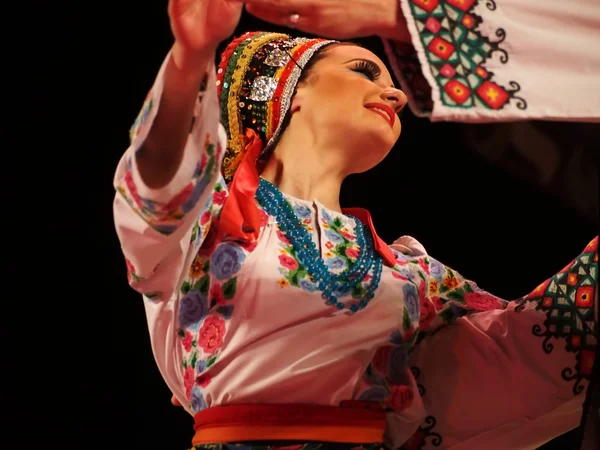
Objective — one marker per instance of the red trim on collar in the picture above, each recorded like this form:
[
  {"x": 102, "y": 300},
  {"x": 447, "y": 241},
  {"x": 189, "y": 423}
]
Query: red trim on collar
[{"x": 382, "y": 248}]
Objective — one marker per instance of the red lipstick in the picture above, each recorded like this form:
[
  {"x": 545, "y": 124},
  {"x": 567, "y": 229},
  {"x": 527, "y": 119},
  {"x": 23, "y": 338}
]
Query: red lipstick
[{"x": 384, "y": 111}]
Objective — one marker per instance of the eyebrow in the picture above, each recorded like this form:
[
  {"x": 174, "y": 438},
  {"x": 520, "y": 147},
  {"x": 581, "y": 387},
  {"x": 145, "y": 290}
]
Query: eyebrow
[{"x": 370, "y": 61}]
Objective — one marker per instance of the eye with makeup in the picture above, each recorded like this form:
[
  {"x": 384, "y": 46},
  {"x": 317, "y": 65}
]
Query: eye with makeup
[{"x": 367, "y": 68}]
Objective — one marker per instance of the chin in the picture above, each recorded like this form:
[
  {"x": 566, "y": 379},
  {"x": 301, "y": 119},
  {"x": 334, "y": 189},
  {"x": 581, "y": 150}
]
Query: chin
[
  {"x": 381, "y": 139},
  {"x": 371, "y": 152}
]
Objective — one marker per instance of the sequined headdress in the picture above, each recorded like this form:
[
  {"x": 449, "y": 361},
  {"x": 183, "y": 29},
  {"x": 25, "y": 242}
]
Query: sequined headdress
[{"x": 256, "y": 80}]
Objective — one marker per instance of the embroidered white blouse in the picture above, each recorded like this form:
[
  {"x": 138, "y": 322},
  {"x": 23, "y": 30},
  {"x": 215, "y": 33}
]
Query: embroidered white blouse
[
  {"x": 454, "y": 366},
  {"x": 500, "y": 60}
]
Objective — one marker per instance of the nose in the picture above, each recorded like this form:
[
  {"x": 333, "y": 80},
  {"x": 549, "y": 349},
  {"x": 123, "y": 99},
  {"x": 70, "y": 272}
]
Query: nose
[{"x": 395, "y": 98}]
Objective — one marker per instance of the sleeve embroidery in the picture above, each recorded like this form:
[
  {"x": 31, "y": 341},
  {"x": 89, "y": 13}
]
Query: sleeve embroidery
[{"x": 457, "y": 51}]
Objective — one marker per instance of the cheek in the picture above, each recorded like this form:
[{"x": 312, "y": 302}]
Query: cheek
[{"x": 342, "y": 92}]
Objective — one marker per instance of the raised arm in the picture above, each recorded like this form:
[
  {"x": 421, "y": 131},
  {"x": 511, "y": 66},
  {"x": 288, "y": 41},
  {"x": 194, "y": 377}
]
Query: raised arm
[{"x": 167, "y": 180}]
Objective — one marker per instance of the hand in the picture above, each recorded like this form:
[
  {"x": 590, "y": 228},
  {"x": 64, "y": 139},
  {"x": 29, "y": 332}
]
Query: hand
[
  {"x": 335, "y": 19},
  {"x": 200, "y": 25}
]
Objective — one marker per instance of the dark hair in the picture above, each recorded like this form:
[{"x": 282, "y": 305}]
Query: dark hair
[{"x": 320, "y": 54}]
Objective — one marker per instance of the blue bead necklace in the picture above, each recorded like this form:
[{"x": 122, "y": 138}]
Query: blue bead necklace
[{"x": 331, "y": 285}]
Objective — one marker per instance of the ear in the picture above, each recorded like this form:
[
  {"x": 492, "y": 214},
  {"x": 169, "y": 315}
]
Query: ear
[{"x": 296, "y": 103}]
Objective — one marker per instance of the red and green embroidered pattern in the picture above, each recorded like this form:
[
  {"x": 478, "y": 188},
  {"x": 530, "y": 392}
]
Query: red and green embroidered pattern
[
  {"x": 568, "y": 301},
  {"x": 457, "y": 52}
]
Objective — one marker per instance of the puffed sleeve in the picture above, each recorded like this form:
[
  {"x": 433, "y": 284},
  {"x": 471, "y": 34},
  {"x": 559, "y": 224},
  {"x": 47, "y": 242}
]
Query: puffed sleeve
[
  {"x": 493, "y": 374},
  {"x": 490, "y": 61},
  {"x": 157, "y": 228}
]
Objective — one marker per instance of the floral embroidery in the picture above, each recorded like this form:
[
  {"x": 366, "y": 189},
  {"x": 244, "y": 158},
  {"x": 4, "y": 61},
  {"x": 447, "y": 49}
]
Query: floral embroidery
[
  {"x": 210, "y": 337},
  {"x": 341, "y": 251},
  {"x": 568, "y": 301},
  {"x": 166, "y": 218},
  {"x": 457, "y": 52},
  {"x": 202, "y": 227},
  {"x": 387, "y": 377},
  {"x": 142, "y": 116},
  {"x": 132, "y": 277},
  {"x": 478, "y": 301},
  {"x": 227, "y": 260},
  {"x": 203, "y": 312},
  {"x": 193, "y": 308},
  {"x": 411, "y": 299}
]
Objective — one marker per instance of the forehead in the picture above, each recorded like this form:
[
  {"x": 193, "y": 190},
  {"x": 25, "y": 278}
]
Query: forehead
[{"x": 341, "y": 54}]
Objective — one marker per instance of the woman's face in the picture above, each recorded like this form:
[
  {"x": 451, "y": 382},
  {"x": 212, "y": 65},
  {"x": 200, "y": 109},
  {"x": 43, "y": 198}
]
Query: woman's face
[{"x": 348, "y": 100}]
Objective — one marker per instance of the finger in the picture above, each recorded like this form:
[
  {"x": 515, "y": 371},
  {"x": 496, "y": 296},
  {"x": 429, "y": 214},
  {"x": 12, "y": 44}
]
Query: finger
[
  {"x": 287, "y": 18},
  {"x": 175, "y": 402}
]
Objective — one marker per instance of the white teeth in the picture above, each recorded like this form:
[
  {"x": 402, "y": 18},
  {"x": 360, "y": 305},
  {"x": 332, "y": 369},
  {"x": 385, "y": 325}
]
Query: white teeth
[{"x": 380, "y": 110}]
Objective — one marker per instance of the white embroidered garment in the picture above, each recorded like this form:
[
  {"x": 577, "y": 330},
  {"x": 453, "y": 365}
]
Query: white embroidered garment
[
  {"x": 232, "y": 323},
  {"x": 500, "y": 60}
]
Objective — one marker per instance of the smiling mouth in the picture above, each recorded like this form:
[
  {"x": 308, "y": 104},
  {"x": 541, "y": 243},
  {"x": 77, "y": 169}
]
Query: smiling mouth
[{"x": 384, "y": 111}]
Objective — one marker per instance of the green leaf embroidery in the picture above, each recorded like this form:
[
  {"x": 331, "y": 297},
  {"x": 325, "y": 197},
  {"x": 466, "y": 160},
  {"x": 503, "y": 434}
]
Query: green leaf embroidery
[
  {"x": 202, "y": 285},
  {"x": 421, "y": 275},
  {"x": 194, "y": 232},
  {"x": 229, "y": 288},
  {"x": 340, "y": 249},
  {"x": 443, "y": 288},
  {"x": 181, "y": 333},
  {"x": 210, "y": 148},
  {"x": 211, "y": 361},
  {"x": 194, "y": 360},
  {"x": 457, "y": 294},
  {"x": 302, "y": 273},
  {"x": 213, "y": 302},
  {"x": 406, "y": 322},
  {"x": 218, "y": 187},
  {"x": 206, "y": 267},
  {"x": 358, "y": 291},
  {"x": 338, "y": 222},
  {"x": 468, "y": 287},
  {"x": 294, "y": 276},
  {"x": 185, "y": 364},
  {"x": 185, "y": 287},
  {"x": 211, "y": 163},
  {"x": 194, "y": 342}
]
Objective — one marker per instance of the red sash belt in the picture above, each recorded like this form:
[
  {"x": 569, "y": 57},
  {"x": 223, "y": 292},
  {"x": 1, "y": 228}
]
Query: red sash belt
[{"x": 288, "y": 422}]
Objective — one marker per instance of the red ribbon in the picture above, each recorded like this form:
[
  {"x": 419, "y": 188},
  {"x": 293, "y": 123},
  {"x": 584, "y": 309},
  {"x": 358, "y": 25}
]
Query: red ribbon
[{"x": 240, "y": 218}]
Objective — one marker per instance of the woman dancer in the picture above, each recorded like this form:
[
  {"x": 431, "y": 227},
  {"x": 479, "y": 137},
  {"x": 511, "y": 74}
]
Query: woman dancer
[{"x": 276, "y": 317}]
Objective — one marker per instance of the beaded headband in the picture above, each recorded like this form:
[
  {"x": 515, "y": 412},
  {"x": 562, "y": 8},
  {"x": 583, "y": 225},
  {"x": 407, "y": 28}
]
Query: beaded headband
[{"x": 256, "y": 80}]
